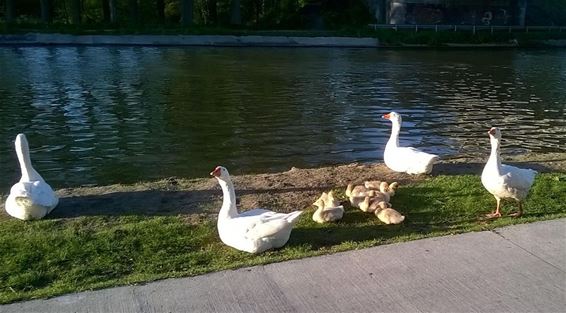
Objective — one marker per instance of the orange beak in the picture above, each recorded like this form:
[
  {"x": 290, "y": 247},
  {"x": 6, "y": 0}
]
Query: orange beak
[
  {"x": 385, "y": 116},
  {"x": 216, "y": 172}
]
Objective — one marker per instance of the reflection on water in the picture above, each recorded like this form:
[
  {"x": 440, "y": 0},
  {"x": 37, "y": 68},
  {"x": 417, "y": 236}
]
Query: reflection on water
[{"x": 100, "y": 115}]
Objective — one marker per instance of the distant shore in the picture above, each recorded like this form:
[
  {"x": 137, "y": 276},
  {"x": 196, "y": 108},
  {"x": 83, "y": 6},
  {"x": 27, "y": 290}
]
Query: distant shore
[
  {"x": 49, "y": 39},
  {"x": 188, "y": 40}
]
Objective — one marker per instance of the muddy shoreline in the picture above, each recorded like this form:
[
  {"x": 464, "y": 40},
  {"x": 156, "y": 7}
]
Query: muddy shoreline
[{"x": 294, "y": 189}]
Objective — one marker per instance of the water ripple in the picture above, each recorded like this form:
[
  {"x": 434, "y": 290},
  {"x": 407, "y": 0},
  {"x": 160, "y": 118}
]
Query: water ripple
[{"x": 99, "y": 115}]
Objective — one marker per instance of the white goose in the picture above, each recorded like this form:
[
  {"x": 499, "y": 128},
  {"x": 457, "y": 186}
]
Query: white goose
[
  {"x": 405, "y": 159},
  {"x": 30, "y": 198},
  {"x": 252, "y": 231},
  {"x": 505, "y": 181}
]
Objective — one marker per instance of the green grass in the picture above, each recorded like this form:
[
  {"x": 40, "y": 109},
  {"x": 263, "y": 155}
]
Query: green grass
[{"x": 55, "y": 256}]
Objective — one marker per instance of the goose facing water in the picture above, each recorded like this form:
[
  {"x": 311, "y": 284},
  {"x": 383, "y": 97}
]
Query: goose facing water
[
  {"x": 505, "y": 181},
  {"x": 252, "y": 231},
  {"x": 405, "y": 159},
  {"x": 30, "y": 198}
]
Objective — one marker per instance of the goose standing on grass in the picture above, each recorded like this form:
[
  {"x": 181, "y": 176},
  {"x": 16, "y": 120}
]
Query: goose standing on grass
[
  {"x": 405, "y": 159},
  {"x": 31, "y": 198},
  {"x": 252, "y": 231},
  {"x": 505, "y": 181}
]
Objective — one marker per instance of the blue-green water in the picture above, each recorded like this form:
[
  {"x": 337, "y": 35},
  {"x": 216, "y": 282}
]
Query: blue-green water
[{"x": 100, "y": 115}]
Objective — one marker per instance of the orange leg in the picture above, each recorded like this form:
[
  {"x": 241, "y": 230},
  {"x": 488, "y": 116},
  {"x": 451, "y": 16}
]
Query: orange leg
[
  {"x": 497, "y": 212},
  {"x": 518, "y": 213}
]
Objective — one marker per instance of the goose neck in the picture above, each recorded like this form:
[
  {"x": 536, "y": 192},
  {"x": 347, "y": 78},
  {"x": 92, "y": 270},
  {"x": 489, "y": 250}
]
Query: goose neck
[
  {"x": 28, "y": 172},
  {"x": 394, "y": 138},
  {"x": 494, "y": 157},
  {"x": 228, "y": 208}
]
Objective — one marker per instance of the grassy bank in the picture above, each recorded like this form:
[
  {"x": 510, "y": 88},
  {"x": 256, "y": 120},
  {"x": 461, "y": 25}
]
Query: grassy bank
[
  {"x": 442, "y": 38},
  {"x": 81, "y": 252}
]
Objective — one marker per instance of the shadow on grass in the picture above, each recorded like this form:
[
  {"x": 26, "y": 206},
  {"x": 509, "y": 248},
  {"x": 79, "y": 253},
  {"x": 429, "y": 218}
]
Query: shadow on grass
[
  {"x": 336, "y": 234},
  {"x": 160, "y": 202},
  {"x": 457, "y": 169}
]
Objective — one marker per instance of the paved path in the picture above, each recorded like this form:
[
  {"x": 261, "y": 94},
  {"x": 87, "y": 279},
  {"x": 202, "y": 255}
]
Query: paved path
[{"x": 514, "y": 269}]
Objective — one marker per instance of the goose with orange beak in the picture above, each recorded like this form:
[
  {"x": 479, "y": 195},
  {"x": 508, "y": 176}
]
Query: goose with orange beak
[
  {"x": 405, "y": 159},
  {"x": 505, "y": 181},
  {"x": 253, "y": 231}
]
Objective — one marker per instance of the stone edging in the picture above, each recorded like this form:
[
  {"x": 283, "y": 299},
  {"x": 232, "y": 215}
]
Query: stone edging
[
  {"x": 39, "y": 39},
  {"x": 188, "y": 40}
]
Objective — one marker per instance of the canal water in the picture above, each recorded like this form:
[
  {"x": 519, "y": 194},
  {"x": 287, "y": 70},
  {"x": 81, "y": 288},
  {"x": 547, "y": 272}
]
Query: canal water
[{"x": 101, "y": 115}]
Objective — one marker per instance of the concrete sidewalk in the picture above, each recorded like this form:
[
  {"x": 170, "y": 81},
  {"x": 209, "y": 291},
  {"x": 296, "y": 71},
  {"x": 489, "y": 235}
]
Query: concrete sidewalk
[{"x": 514, "y": 269}]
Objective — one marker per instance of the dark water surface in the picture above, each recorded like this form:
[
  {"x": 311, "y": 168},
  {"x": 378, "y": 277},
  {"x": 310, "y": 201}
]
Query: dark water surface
[{"x": 101, "y": 115}]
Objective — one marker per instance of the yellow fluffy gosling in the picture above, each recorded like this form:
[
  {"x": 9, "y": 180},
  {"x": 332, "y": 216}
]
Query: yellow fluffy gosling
[
  {"x": 371, "y": 198},
  {"x": 382, "y": 186},
  {"x": 386, "y": 214},
  {"x": 356, "y": 194},
  {"x": 356, "y": 191},
  {"x": 329, "y": 209},
  {"x": 372, "y": 184}
]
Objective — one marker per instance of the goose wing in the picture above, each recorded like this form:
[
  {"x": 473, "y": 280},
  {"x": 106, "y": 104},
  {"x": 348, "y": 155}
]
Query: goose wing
[
  {"x": 517, "y": 178},
  {"x": 415, "y": 161},
  {"x": 416, "y": 154},
  {"x": 270, "y": 223}
]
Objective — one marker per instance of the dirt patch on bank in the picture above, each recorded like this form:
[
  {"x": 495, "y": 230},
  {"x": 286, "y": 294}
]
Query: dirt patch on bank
[{"x": 295, "y": 189}]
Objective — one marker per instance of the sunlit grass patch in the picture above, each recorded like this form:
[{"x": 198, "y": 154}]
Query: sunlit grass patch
[{"x": 60, "y": 255}]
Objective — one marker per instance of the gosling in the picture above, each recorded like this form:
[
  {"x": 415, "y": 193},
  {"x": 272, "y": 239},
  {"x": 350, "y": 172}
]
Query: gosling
[
  {"x": 329, "y": 209},
  {"x": 386, "y": 214}
]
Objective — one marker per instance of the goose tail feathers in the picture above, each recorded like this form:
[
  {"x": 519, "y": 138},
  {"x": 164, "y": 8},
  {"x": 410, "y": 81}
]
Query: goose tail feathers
[{"x": 293, "y": 217}]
